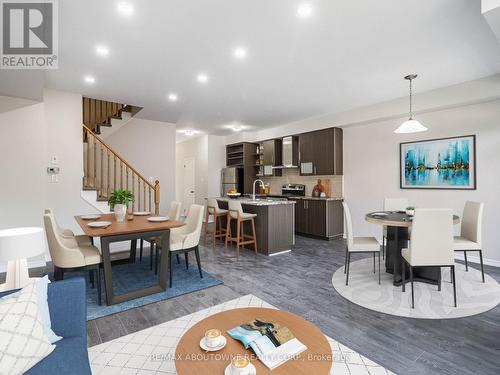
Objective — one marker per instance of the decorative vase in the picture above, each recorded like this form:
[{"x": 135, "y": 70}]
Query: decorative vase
[
  {"x": 120, "y": 211},
  {"x": 410, "y": 212}
]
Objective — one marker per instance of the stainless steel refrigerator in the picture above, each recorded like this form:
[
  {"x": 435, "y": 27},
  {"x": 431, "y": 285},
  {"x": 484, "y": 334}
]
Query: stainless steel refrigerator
[{"x": 231, "y": 177}]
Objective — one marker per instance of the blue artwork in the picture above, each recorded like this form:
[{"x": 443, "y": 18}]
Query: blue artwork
[{"x": 447, "y": 163}]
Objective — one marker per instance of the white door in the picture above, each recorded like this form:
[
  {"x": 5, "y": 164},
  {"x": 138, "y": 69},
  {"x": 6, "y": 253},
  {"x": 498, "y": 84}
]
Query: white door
[{"x": 189, "y": 185}]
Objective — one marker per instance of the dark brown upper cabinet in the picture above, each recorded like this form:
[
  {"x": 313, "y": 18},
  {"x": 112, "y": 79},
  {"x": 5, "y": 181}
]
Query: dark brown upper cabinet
[
  {"x": 271, "y": 157},
  {"x": 321, "y": 152}
]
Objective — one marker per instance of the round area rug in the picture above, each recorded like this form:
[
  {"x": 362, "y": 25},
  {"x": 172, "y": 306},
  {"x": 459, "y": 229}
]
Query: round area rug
[{"x": 473, "y": 297}]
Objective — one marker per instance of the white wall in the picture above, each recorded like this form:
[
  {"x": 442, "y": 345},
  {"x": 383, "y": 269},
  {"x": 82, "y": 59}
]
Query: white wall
[
  {"x": 371, "y": 150},
  {"x": 471, "y": 92},
  {"x": 63, "y": 124},
  {"x": 22, "y": 162},
  {"x": 371, "y": 165},
  {"x": 149, "y": 146},
  {"x": 30, "y": 136}
]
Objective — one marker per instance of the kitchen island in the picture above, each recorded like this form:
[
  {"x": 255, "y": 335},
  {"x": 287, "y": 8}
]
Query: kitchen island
[{"x": 274, "y": 224}]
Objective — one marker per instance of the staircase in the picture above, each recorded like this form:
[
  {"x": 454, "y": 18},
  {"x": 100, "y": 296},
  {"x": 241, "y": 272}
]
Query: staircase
[{"x": 106, "y": 170}]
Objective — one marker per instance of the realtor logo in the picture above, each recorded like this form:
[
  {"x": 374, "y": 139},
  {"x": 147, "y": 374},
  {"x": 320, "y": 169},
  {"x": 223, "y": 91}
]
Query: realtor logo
[{"x": 29, "y": 37}]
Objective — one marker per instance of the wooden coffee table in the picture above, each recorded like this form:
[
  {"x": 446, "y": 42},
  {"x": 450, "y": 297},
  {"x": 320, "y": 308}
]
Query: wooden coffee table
[{"x": 191, "y": 359}]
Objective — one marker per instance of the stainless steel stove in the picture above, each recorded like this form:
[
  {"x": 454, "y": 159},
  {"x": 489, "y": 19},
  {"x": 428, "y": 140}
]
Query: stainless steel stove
[{"x": 293, "y": 190}]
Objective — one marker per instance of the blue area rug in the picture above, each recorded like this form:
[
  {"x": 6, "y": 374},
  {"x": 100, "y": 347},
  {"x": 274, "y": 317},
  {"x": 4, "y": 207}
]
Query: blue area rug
[{"x": 129, "y": 277}]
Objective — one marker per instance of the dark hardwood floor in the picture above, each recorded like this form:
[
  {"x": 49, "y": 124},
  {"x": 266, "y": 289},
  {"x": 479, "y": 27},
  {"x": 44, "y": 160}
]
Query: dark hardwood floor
[{"x": 300, "y": 282}]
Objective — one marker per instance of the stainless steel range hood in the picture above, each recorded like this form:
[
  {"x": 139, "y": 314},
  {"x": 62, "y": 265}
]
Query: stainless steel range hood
[{"x": 290, "y": 153}]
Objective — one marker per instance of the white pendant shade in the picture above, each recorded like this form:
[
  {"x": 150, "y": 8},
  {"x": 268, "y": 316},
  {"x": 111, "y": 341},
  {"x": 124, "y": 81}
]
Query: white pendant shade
[{"x": 410, "y": 126}]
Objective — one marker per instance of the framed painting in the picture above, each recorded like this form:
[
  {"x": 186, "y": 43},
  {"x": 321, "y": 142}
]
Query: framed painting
[{"x": 445, "y": 163}]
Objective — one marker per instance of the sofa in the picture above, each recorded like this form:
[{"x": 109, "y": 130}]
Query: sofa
[{"x": 68, "y": 315}]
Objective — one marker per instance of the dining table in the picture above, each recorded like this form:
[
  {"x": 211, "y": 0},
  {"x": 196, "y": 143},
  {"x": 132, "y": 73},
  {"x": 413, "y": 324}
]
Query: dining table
[
  {"x": 398, "y": 225},
  {"x": 130, "y": 230}
]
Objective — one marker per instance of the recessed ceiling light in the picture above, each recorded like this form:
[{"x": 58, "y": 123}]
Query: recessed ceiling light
[
  {"x": 240, "y": 53},
  {"x": 202, "y": 78},
  {"x": 102, "y": 51},
  {"x": 172, "y": 97},
  {"x": 125, "y": 9},
  {"x": 188, "y": 132},
  {"x": 235, "y": 127},
  {"x": 304, "y": 10},
  {"x": 89, "y": 79}
]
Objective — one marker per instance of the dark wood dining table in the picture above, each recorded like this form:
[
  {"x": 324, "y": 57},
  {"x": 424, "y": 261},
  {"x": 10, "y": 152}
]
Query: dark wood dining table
[
  {"x": 130, "y": 230},
  {"x": 398, "y": 224}
]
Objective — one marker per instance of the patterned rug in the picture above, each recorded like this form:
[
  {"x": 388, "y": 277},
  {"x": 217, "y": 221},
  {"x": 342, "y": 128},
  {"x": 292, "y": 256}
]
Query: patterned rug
[
  {"x": 473, "y": 297},
  {"x": 150, "y": 351},
  {"x": 129, "y": 277}
]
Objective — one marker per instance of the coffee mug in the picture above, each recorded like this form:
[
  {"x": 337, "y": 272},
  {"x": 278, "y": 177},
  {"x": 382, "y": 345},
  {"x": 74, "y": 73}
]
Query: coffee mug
[
  {"x": 213, "y": 338},
  {"x": 240, "y": 365}
]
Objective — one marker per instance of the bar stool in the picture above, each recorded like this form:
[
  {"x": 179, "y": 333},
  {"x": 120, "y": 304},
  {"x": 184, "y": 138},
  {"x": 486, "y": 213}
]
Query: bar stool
[
  {"x": 218, "y": 230},
  {"x": 236, "y": 212}
]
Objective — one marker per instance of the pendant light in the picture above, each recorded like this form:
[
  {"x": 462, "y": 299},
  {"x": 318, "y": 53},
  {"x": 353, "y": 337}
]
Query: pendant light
[{"x": 411, "y": 125}]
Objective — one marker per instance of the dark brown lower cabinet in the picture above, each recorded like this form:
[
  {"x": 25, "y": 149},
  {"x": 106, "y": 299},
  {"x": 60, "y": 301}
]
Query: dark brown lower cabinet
[{"x": 319, "y": 218}]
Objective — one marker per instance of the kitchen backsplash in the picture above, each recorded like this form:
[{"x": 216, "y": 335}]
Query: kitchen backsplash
[{"x": 293, "y": 176}]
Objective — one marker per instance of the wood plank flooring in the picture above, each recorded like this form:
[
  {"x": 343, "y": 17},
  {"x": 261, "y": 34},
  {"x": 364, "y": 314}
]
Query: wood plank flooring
[{"x": 300, "y": 282}]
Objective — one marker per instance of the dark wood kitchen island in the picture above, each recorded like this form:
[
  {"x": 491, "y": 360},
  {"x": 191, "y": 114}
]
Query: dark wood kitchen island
[{"x": 274, "y": 224}]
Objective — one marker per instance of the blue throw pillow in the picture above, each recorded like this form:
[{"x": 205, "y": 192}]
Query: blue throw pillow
[{"x": 43, "y": 309}]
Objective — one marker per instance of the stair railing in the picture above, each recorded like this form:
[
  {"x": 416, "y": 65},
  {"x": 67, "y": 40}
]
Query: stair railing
[{"x": 105, "y": 170}]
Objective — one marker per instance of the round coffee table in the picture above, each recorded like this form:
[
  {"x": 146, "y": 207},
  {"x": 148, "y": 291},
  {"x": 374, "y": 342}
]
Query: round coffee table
[{"x": 191, "y": 359}]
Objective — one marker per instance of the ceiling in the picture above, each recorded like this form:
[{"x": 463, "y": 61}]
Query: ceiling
[{"x": 346, "y": 54}]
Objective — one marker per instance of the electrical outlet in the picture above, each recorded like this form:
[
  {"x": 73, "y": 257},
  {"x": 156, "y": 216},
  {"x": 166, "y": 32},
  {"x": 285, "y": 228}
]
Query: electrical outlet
[{"x": 54, "y": 159}]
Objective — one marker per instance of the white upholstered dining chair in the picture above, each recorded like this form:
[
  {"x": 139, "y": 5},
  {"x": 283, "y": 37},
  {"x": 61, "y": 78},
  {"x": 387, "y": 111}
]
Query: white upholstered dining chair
[
  {"x": 174, "y": 213},
  {"x": 431, "y": 245},
  {"x": 81, "y": 239},
  {"x": 358, "y": 245},
  {"x": 69, "y": 254},
  {"x": 392, "y": 204},
  {"x": 186, "y": 239},
  {"x": 470, "y": 238}
]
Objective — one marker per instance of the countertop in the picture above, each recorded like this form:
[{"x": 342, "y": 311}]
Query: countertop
[
  {"x": 311, "y": 198},
  {"x": 258, "y": 201}
]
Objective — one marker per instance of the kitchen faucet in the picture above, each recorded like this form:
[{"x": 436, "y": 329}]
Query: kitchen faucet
[{"x": 253, "y": 191}]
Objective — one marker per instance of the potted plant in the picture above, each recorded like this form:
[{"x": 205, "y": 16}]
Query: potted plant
[
  {"x": 410, "y": 211},
  {"x": 118, "y": 202}
]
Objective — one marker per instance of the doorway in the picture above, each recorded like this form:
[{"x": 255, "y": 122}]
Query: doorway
[{"x": 189, "y": 195}]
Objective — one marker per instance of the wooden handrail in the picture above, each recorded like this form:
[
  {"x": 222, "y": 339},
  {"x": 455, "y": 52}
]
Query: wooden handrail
[
  {"x": 103, "y": 186},
  {"x": 117, "y": 155}
]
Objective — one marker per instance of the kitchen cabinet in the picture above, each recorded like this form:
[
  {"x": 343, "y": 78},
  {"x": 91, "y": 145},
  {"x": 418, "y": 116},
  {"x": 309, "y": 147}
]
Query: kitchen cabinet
[
  {"x": 321, "y": 152},
  {"x": 271, "y": 156},
  {"x": 322, "y": 218},
  {"x": 243, "y": 155}
]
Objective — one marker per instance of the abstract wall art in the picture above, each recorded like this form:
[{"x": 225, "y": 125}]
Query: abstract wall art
[{"x": 445, "y": 163}]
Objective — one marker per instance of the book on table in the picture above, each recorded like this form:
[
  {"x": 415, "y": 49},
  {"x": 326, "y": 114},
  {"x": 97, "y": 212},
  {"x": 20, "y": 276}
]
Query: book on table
[{"x": 271, "y": 343}]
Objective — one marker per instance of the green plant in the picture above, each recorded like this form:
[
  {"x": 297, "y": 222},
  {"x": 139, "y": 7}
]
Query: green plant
[
  {"x": 410, "y": 208},
  {"x": 120, "y": 196}
]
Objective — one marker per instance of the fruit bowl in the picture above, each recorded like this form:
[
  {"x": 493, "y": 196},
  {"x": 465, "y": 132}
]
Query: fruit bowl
[{"x": 233, "y": 195}]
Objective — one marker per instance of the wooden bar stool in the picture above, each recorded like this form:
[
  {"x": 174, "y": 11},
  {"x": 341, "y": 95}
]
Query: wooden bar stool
[
  {"x": 218, "y": 230},
  {"x": 236, "y": 212}
]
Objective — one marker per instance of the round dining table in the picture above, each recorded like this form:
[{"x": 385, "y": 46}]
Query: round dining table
[{"x": 398, "y": 224}]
